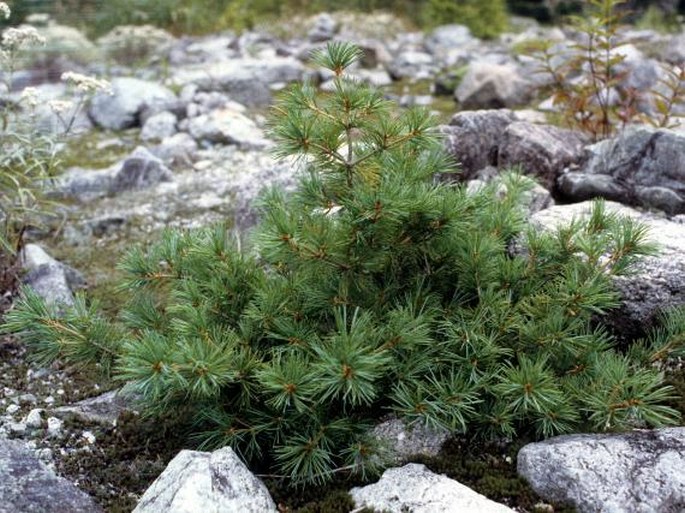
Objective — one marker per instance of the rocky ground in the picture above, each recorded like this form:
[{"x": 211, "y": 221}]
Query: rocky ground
[{"x": 182, "y": 143}]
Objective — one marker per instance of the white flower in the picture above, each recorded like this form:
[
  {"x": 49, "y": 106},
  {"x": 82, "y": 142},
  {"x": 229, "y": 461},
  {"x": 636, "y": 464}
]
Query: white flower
[
  {"x": 86, "y": 84},
  {"x": 25, "y": 35},
  {"x": 60, "y": 106},
  {"x": 30, "y": 96},
  {"x": 5, "y": 10}
]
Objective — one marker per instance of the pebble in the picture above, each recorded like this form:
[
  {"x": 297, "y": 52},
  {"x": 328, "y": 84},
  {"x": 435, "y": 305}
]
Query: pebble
[
  {"x": 54, "y": 427},
  {"x": 12, "y": 409},
  {"x": 34, "y": 419},
  {"x": 49, "y": 400},
  {"x": 27, "y": 399},
  {"x": 89, "y": 437},
  {"x": 17, "y": 428}
]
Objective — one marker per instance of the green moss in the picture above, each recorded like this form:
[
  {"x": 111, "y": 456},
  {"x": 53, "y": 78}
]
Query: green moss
[{"x": 96, "y": 149}]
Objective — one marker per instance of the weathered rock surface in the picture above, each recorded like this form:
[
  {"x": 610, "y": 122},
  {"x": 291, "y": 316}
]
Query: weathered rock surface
[
  {"x": 50, "y": 279},
  {"x": 404, "y": 441},
  {"x": 28, "y": 486},
  {"x": 542, "y": 151},
  {"x": 658, "y": 282},
  {"x": 637, "y": 472},
  {"x": 643, "y": 167},
  {"x": 227, "y": 126},
  {"x": 140, "y": 170},
  {"x": 201, "y": 482},
  {"x": 415, "y": 488},
  {"x": 129, "y": 97},
  {"x": 159, "y": 126},
  {"x": 103, "y": 409},
  {"x": 245, "y": 80},
  {"x": 492, "y": 86},
  {"x": 473, "y": 138}
]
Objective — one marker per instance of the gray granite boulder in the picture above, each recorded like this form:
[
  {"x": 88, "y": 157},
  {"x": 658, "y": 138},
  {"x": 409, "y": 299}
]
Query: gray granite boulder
[
  {"x": 636, "y": 472},
  {"x": 492, "y": 86},
  {"x": 130, "y": 96},
  {"x": 542, "y": 151},
  {"x": 158, "y": 126},
  {"x": 28, "y": 486},
  {"x": 140, "y": 170},
  {"x": 642, "y": 166},
  {"x": 202, "y": 482},
  {"x": 415, "y": 488},
  {"x": 102, "y": 409},
  {"x": 227, "y": 126},
  {"x": 50, "y": 279},
  {"x": 472, "y": 138},
  {"x": 403, "y": 441}
]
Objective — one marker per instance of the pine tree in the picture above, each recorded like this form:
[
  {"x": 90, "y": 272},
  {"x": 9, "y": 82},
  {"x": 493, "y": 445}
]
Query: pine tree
[{"x": 372, "y": 288}]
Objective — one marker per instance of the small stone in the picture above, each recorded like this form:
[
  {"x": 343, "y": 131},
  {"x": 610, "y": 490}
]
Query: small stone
[
  {"x": 49, "y": 400},
  {"x": 27, "y": 399},
  {"x": 88, "y": 437},
  {"x": 60, "y": 391},
  {"x": 12, "y": 409},
  {"x": 34, "y": 419},
  {"x": 54, "y": 427},
  {"x": 17, "y": 428},
  {"x": 44, "y": 454}
]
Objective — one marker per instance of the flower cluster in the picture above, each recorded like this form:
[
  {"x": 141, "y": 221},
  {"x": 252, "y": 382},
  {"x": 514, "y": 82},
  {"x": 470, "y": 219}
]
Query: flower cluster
[
  {"x": 19, "y": 37},
  {"x": 31, "y": 97},
  {"x": 5, "y": 10},
  {"x": 86, "y": 84}
]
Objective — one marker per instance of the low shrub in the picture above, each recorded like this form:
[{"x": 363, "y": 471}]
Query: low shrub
[{"x": 371, "y": 289}]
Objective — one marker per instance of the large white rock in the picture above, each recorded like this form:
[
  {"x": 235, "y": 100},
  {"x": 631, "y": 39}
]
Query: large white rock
[
  {"x": 129, "y": 97},
  {"x": 415, "y": 488},
  {"x": 492, "y": 86},
  {"x": 203, "y": 482},
  {"x": 638, "y": 472},
  {"x": 227, "y": 126}
]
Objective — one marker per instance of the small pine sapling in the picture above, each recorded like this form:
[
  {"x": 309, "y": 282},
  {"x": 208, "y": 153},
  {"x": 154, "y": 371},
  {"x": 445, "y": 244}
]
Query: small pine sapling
[{"x": 373, "y": 288}]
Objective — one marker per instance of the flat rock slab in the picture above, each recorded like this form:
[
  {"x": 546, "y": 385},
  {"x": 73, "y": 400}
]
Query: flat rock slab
[
  {"x": 637, "y": 472},
  {"x": 28, "y": 486},
  {"x": 103, "y": 409},
  {"x": 415, "y": 488}
]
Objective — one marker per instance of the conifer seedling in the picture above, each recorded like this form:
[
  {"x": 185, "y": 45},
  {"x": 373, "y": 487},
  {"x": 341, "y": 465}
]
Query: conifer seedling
[{"x": 372, "y": 289}]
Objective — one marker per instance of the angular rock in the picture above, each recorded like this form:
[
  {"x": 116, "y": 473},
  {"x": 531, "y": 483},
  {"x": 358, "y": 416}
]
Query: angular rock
[
  {"x": 245, "y": 80},
  {"x": 492, "y": 86},
  {"x": 227, "y": 126},
  {"x": 325, "y": 27},
  {"x": 129, "y": 97},
  {"x": 103, "y": 409},
  {"x": 635, "y": 472},
  {"x": 448, "y": 37},
  {"x": 415, "y": 488},
  {"x": 637, "y": 159},
  {"x": 28, "y": 486},
  {"x": 472, "y": 138},
  {"x": 159, "y": 126},
  {"x": 412, "y": 64},
  {"x": 658, "y": 281},
  {"x": 139, "y": 170},
  {"x": 201, "y": 482},
  {"x": 405, "y": 441},
  {"x": 50, "y": 279},
  {"x": 178, "y": 150},
  {"x": 542, "y": 151}
]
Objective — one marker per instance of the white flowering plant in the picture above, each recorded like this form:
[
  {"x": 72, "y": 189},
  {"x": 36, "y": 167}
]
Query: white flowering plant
[{"x": 28, "y": 155}]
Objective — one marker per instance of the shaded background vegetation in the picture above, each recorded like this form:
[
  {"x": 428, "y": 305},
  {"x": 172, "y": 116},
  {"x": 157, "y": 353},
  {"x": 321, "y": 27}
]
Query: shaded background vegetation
[{"x": 486, "y": 19}]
